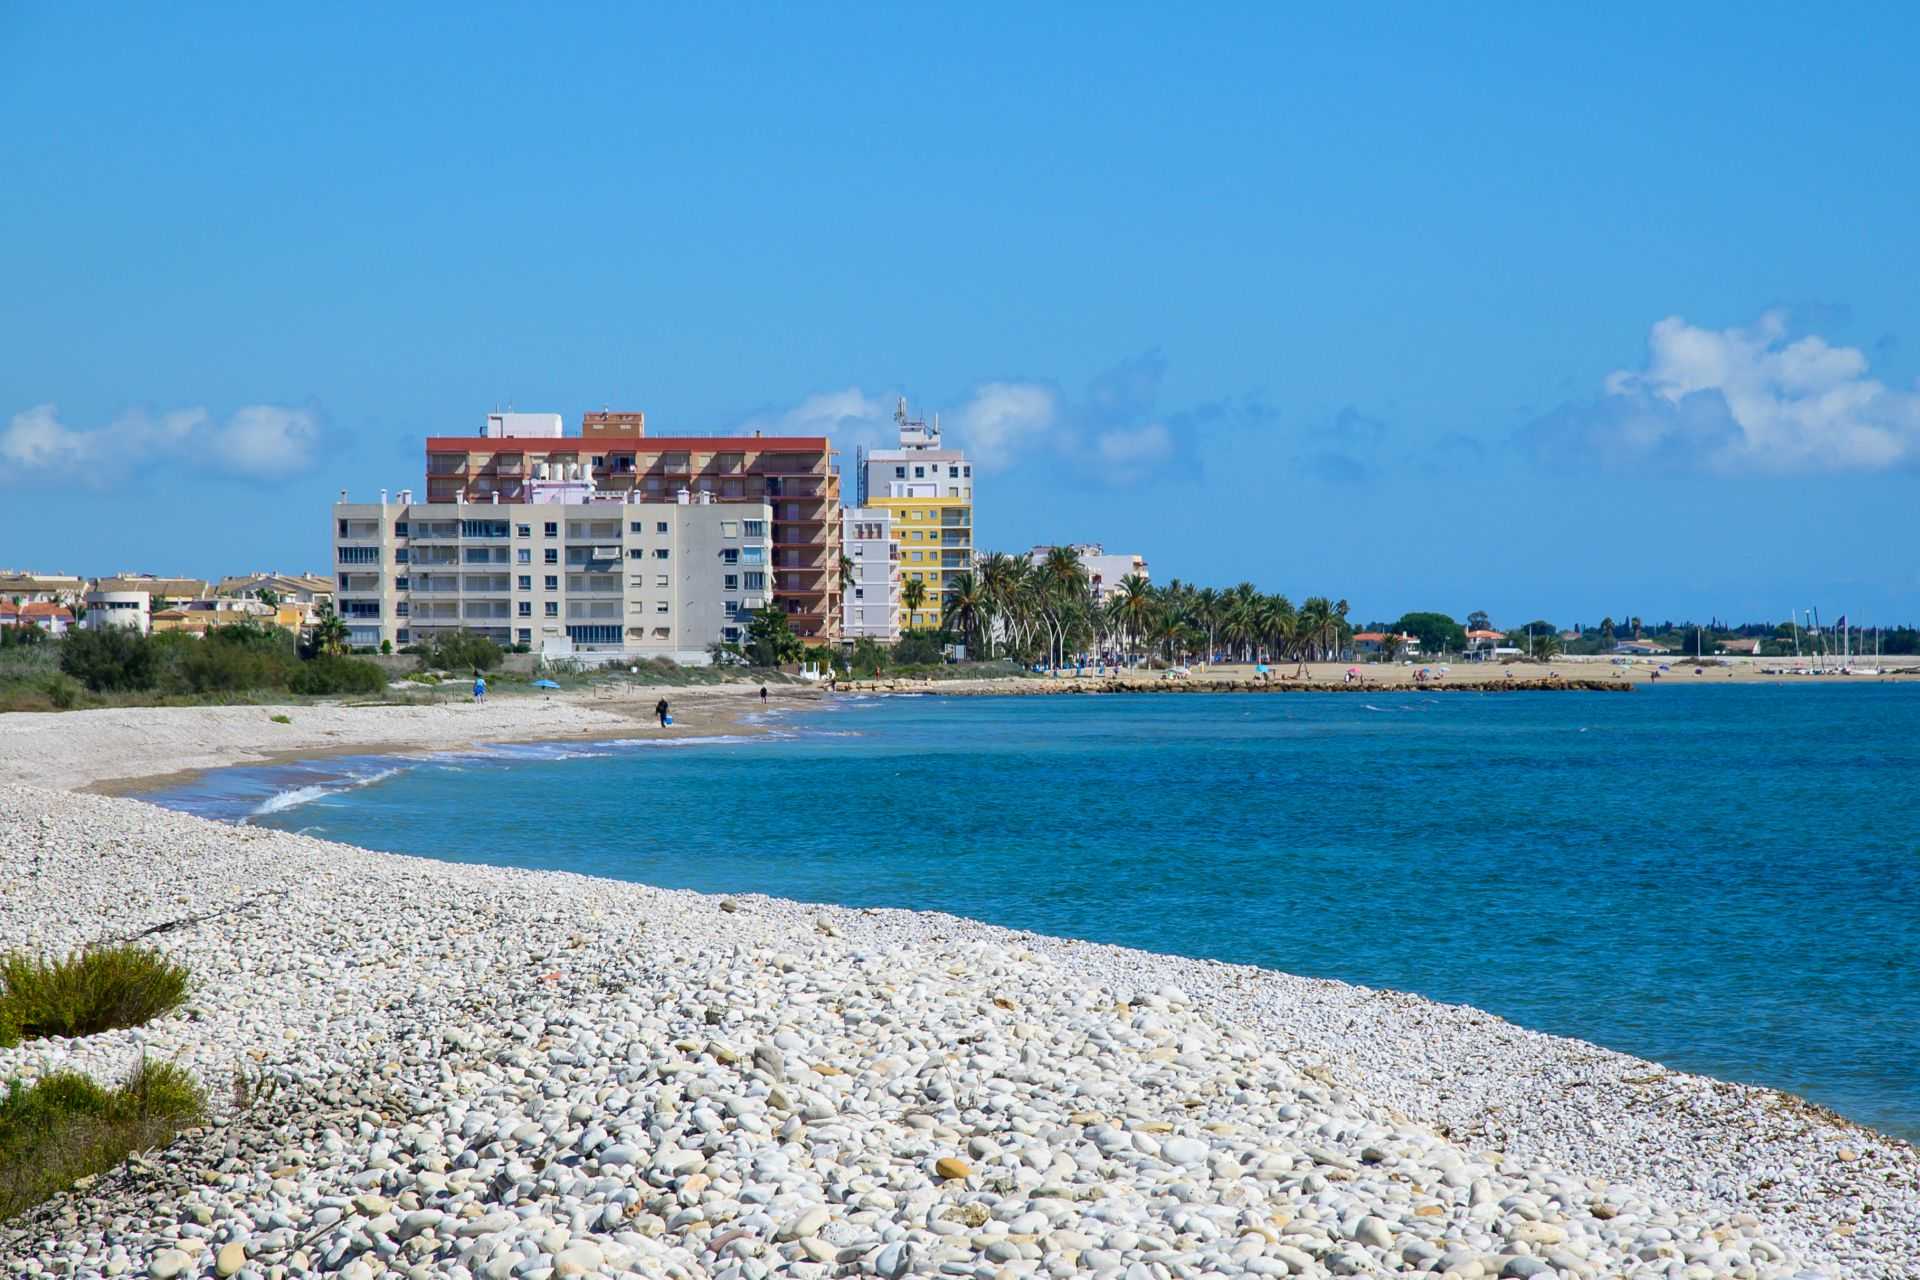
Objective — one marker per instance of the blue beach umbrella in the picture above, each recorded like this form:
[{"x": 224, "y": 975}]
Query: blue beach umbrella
[{"x": 545, "y": 684}]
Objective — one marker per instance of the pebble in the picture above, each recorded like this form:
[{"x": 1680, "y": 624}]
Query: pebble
[{"x": 510, "y": 1075}]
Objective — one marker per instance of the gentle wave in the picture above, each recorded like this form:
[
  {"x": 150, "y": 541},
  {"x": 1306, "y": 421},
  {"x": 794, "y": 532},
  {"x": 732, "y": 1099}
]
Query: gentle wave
[{"x": 294, "y": 797}]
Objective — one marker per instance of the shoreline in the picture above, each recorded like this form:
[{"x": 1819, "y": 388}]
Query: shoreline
[
  {"x": 1473, "y": 1082},
  {"x": 114, "y": 750},
  {"x": 441, "y": 958}
]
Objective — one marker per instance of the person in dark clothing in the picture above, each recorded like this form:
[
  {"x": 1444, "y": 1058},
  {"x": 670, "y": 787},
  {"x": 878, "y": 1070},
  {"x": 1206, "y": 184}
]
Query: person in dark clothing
[
  {"x": 763, "y": 693},
  {"x": 660, "y": 712}
]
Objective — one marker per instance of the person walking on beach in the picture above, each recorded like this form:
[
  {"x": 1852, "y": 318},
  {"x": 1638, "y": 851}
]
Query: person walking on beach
[
  {"x": 660, "y": 712},
  {"x": 479, "y": 687},
  {"x": 763, "y": 695}
]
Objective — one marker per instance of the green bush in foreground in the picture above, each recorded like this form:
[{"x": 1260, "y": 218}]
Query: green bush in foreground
[
  {"x": 65, "y": 1127},
  {"x": 86, "y": 993}
]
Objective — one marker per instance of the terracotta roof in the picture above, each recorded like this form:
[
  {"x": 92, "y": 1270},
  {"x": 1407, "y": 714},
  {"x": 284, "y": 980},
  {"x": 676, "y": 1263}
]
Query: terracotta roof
[
  {"x": 619, "y": 444},
  {"x": 1486, "y": 635},
  {"x": 46, "y": 610}
]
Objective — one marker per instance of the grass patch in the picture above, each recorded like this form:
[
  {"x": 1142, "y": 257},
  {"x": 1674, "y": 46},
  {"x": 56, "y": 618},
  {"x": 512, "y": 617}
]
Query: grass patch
[
  {"x": 86, "y": 993},
  {"x": 65, "y": 1127},
  {"x": 281, "y": 719}
]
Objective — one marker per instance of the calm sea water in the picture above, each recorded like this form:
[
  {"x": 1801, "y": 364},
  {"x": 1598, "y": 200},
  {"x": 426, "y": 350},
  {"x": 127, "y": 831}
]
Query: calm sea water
[{"x": 1726, "y": 880}]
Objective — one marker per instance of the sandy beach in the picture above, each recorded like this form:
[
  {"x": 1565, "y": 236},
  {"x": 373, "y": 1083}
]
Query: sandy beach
[
  {"x": 473, "y": 1071},
  {"x": 120, "y": 748}
]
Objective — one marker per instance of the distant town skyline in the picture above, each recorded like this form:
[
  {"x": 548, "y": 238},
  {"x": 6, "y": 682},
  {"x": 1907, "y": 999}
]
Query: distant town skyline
[{"x": 1506, "y": 310}]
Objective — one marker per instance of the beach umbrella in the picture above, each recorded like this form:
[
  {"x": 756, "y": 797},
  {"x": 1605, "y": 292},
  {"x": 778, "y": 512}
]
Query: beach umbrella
[
  {"x": 1353, "y": 671},
  {"x": 545, "y": 684}
]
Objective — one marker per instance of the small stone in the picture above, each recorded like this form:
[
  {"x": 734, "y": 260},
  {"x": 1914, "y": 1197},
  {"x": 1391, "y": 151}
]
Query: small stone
[
  {"x": 169, "y": 1263},
  {"x": 892, "y": 1261},
  {"x": 1373, "y": 1233},
  {"x": 371, "y": 1205},
  {"x": 1183, "y": 1151},
  {"x": 232, "y": 1257},
  {"x": 952, "y": 1167},
  {"x": 1847, "y": 1154}
]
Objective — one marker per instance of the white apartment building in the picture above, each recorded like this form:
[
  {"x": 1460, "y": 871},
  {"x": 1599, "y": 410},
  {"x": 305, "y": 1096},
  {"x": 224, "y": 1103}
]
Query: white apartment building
[
  {"x": 1105, "y": 572},
  {"x": 871, "y": 598},
  {"x": 131, "y": 610},
  {"x": 569, "y": 574}
]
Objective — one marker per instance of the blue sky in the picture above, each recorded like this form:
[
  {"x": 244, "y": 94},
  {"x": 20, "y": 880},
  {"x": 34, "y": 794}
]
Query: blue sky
[{"x": 1536, "y": 310}]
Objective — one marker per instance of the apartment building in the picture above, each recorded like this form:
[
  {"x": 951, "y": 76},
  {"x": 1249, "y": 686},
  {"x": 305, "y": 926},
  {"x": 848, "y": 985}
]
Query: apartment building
[
  {"x": 927, "y": 493},
  {"x": 1105, "y": 572},
  {"x": 570, "y": 573},
  {"x": 23, "y": 586},
  {"x": 872, "y": 589},
  {"x": 614, "y": 459}
]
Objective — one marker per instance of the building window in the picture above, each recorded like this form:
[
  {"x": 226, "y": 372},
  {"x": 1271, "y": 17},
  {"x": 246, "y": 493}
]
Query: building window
[
  {"x": 899, "y": 473},
  {"x": 661, "y": 527},
  {"x": 755, "y": 581},
  {"x": 729, "y": 528},
  {"x": 399, "y": 528},
  {"x": 730, "y": 555},
  {"x": 756, "y": 528},
  {"x": 594, "y": 634},
  {"x": 526, "y": 582},
  {"x": 550, "y": 556},
  {"x": 919, "y": 473},
  {"x": 523, "y": 555},
  {"x": 402, "y": 609},
  {"x": 859, "y": 593},
  {"x": 525, "y": 608},
  {"x": 399, "y": 555},
  {"x": 637, "y": 526},
  {"x": 661, "y": 607},
  {"x": 660, "y": 553},
  {"x": 553, "y": 529},
  {"x": 553, "y": 582},
  {"x": 553, "y": 609},
  {"x": 523, "y": 531},
  {"x": 730, "y": 634},
  {"x": 359, "y": 555},
  {"x": 636, "y": 553},
  {"x": 525, "y": 635},
  {"x": 730, "y": 582},
  {"x": 660, "y": 580}
]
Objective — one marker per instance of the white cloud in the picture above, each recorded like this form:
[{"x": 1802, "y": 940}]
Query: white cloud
[
  {"x": 1749, "y": 399},
  {"x": 265, "y": 439},
  {"x": 1137, "y": 447},
  {"x": 1000, "y": 420},
  {"x": 850, "y": 416},
  {"x": 255, "y": 440}
]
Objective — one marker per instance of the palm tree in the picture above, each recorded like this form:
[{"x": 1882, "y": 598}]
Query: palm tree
[
  {"x": 329, "y": 633},
  {"x": 1133, "y": 609},
  {"x": 966, "y": 605},
  {"x": 913, "y": 595},
  {"x": 1391, "y": 646},
  {"x": 1546, "y": 646},
  {"x": 1207, "y": 608}
]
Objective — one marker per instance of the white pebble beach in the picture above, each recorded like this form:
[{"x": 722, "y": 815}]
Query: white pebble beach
[{"x": 424, "y": 1068}]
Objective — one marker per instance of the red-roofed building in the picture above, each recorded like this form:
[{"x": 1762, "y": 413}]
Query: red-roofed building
[
  {"x": 1368, "y": 644},
  {"x": 54, "y": 619},
  {"x": 614, "y": 456}
]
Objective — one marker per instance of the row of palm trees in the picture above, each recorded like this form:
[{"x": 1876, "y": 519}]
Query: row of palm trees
[{"x": 1047, "y": 609}]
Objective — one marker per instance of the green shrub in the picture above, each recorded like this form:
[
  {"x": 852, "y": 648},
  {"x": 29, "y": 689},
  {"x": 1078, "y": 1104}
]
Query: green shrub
[
  {"x": 331, "y": 673},
  {"x": 86, "y": 993},
  {"x": 63, "y": 691},
  {"x": 113, "y": 658},
  {"x": 64, "y": 1127},
  {"x": 460, "y": 651},
  {"x": 917, "y": 648},
  {"x": 281, "y": 719}
]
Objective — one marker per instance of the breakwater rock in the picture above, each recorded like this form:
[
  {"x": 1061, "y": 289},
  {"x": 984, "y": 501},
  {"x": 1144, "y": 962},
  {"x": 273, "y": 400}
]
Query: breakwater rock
[{"x": 1045, "y": 685}]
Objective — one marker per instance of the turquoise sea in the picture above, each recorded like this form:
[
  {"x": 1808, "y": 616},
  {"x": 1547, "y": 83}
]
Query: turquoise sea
[{"x": 1724, "y": 879}]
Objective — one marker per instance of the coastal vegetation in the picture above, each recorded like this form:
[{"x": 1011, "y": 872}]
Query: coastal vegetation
[
  {"x": 117, "y": 667},
  {"x": 1048, "y": 610},
  {"x": 86, "y": 993},
  {"x": 64, "y": 1127}
]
